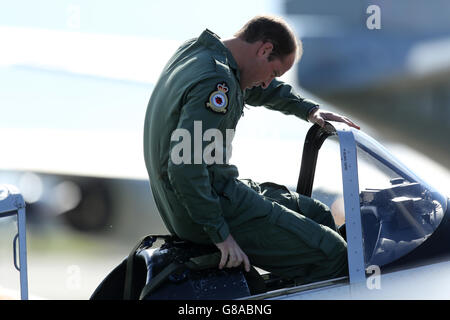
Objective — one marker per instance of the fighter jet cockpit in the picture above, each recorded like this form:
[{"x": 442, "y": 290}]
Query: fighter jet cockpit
[
  {"x": 399, "y": 211},
  {"x": 389, "y": 217},
  {"x": 404, "y": 219}
]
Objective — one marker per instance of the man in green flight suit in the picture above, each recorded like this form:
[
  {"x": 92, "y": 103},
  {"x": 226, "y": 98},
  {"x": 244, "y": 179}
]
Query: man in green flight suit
[{"x": 198, "y": 101}]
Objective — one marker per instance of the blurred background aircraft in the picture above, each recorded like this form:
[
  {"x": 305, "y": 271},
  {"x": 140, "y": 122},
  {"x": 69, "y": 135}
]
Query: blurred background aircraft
[
  {"x": 76, "y": 77},
  {"x": 388, "y": 64}
]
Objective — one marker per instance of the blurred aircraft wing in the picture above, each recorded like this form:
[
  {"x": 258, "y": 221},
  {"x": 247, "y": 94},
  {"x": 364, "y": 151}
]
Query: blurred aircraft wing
[
  {"x": 430, "y": 58},
  {"x": 111, "y": 154}
]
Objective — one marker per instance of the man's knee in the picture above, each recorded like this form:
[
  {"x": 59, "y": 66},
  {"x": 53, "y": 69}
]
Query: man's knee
[
  {"x": 331, "y": 268},
  {"x": 332, "y": 244},
  {"x": 338, "y": 264},
  {"x": 316, "y": 210},
  {"x": 311, "y": 208}
]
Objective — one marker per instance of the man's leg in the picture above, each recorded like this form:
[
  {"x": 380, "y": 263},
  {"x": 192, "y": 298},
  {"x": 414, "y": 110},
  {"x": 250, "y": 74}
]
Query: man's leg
[
  {"x": 273, "y": 246},
  {"x": 307, "y": 206},
  {"x": 280, "y": 242}
]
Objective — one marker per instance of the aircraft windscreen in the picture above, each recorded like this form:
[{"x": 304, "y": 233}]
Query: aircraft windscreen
[{"x": 399, "y": 211}]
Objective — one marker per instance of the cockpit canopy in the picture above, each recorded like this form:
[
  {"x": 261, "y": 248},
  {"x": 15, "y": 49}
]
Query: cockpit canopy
[{"x": 398, "y": 210}]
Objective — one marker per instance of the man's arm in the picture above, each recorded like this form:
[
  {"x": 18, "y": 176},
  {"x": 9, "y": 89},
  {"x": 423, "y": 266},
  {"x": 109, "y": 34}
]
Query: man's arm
[
  {"x": 282, "y": 97},
  {"x": 190, "y": 179}
]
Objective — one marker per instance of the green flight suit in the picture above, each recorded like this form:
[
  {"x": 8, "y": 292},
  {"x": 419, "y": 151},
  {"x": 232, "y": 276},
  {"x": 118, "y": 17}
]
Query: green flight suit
[{"x": 280, "y": 231}]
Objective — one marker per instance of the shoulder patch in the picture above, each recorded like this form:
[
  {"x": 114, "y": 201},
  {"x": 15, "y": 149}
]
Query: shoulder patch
[{"x": 218, "y": 100}]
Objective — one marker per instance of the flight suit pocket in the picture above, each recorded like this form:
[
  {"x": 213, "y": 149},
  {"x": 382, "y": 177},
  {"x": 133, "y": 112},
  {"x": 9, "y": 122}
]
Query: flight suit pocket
[
  {"x": 227, "y": 195},
  {"x": 280, "y": 194},
  {"x": 240, "y": 203},
  {"x": 228, "y": 190}
]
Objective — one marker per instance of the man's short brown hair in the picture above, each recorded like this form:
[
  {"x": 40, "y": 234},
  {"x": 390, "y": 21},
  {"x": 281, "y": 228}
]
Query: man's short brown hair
[{"x": 274, "y": 30}]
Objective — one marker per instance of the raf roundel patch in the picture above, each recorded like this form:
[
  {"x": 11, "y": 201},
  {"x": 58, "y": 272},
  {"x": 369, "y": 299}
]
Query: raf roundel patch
[{"x": 218, "y": 100}]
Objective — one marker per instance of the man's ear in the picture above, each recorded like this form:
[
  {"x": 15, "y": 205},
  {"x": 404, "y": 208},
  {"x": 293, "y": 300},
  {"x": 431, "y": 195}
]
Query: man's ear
[{"x": 265, "y": 49}]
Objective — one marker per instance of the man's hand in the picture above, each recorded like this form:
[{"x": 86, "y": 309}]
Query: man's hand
[
  {"x": 320, "y": 116},
  {"x": 232, "y": 252}
]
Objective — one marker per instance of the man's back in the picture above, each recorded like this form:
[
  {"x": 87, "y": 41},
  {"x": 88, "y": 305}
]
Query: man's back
[{"x": 192, "y": 74}]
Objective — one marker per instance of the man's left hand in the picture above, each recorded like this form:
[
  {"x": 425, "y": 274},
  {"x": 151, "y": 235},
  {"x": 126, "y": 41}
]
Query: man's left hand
[{"x": 320, "y": 116}]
